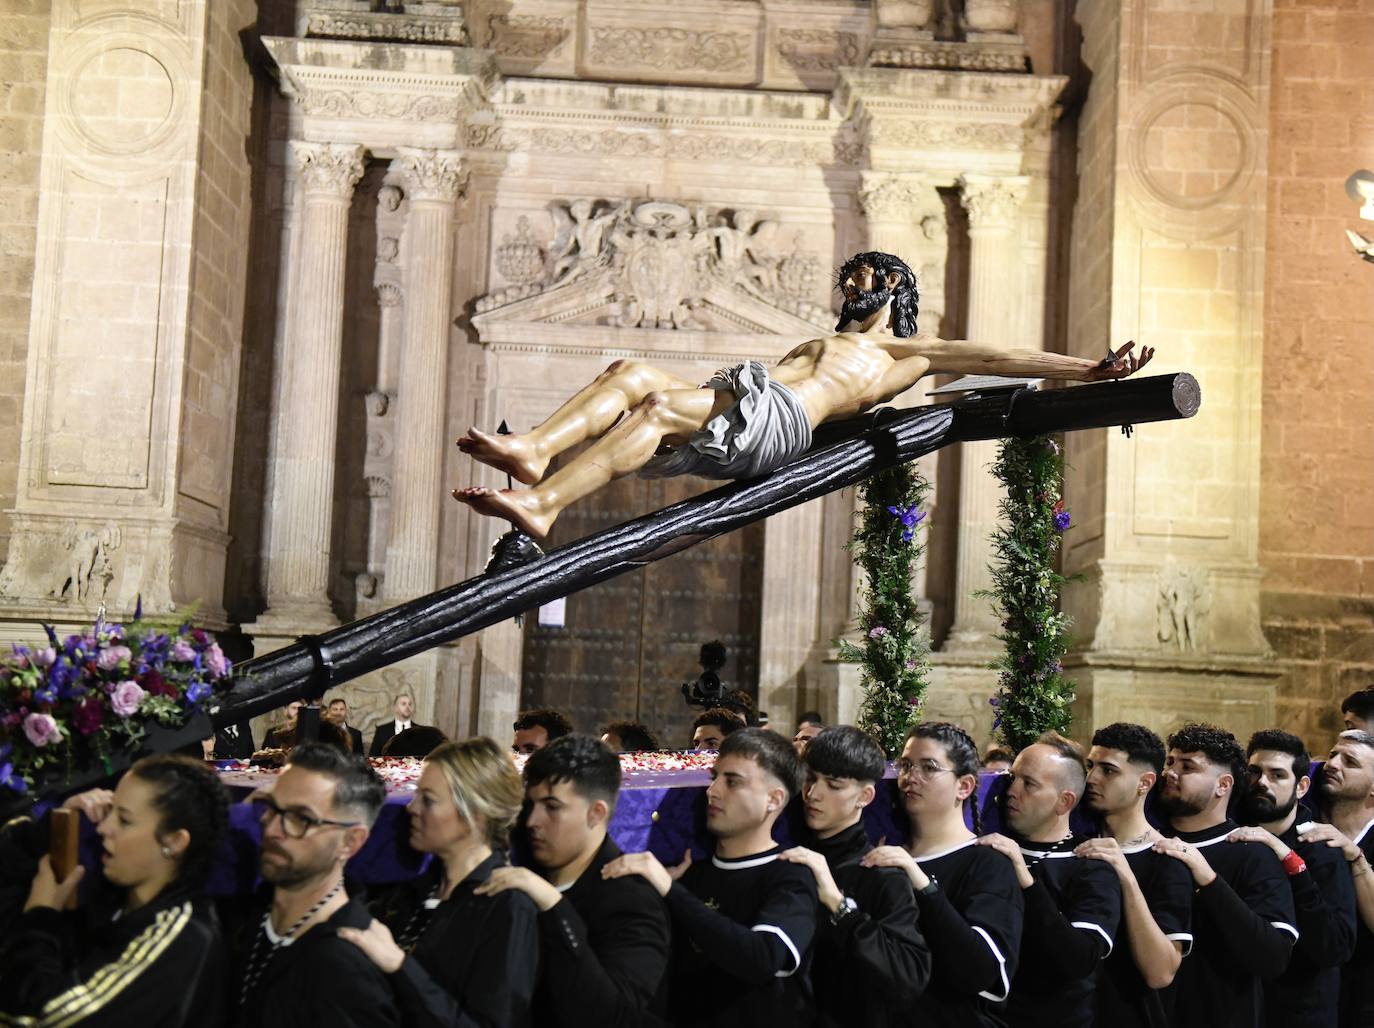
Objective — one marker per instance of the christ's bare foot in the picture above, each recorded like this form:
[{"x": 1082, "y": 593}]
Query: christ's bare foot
[
  {"x": 506, "y": 503},
  {"x": 508, "y": 453}
]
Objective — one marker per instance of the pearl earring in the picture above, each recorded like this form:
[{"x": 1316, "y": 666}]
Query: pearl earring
[{"x": 167, "y": 851}]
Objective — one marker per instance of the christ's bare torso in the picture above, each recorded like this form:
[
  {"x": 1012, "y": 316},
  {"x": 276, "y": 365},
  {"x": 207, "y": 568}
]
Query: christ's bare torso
[{"x": 849, "y": 372}]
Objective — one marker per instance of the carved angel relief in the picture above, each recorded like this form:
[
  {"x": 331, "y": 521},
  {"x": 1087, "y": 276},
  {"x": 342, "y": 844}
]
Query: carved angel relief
[{"x": 658, "y": 260}]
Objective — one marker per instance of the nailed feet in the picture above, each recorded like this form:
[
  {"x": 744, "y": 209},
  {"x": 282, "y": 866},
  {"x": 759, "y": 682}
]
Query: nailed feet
[
  {"x": 508, "y": 453},
  {"x": 507, "y": 504}
]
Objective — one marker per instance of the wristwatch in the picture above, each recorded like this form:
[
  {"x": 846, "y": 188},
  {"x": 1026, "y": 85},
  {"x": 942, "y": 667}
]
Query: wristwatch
[
  {"x": 932, "y": 887},
  {"x": 847, "y": 906}
]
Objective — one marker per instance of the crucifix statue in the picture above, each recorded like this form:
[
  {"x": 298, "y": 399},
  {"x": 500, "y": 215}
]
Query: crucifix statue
[{"x": 747, "y": 420}]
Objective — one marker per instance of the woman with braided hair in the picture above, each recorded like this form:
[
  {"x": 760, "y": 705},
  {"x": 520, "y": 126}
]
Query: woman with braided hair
[
  {"x": 969, "y": 902},
  {"x": 147, "y": 948}
]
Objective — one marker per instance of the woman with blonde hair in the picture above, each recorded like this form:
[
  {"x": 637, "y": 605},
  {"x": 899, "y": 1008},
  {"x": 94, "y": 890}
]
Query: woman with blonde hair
[{"x": 456, "y": 958}]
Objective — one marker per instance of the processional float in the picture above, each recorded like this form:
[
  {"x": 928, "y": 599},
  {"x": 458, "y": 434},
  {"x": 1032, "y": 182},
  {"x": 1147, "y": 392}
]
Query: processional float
[{"x": 842, "y": 453}]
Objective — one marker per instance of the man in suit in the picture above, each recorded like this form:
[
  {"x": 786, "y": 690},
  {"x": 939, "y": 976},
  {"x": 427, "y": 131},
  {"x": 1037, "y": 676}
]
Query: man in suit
[
  {"x": 337, "y": 712},
  {"x": 235, "y": 741},
  {"x": 401, "y": 707}
]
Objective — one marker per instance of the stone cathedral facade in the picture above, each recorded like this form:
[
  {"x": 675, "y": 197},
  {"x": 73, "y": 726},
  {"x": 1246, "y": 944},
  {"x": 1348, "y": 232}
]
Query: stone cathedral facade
[{"x": 270, "y": 259}]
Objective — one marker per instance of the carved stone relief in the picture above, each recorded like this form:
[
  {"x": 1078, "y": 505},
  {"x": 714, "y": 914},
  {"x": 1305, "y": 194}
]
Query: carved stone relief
[
  {"x": 527, "y": 37},
  {"x": 1184, "y": 600},
  {"x": 674, "y": 49},
  {"x": 806, "y": 50}
]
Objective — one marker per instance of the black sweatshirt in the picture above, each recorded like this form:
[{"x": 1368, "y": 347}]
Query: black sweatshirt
[
  {"x": 161, "y": 966},
  {"x": 871, "y": 967},
  {"x": 743, "y": 929},
  {"x": 1243, "y": 931},
  {"x": 477, "y": 957},
  {"x": 1357, "y": 995},
  {"x": 1123, "y": 999},
  {"x": 972, "y": 923},
  {"x": 1307, "y": 994},
  {"x": 604, "y": 950},
  {"x": 1073, "y": 907},
  {"x": 317, "y": 978}
]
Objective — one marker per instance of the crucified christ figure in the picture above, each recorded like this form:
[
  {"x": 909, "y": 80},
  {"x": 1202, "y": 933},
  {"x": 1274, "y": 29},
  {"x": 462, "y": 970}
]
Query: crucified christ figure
[{"x": 747, "y": 420}]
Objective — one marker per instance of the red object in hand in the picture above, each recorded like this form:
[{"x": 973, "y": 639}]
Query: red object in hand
[{"x": 1293, "y": 864}]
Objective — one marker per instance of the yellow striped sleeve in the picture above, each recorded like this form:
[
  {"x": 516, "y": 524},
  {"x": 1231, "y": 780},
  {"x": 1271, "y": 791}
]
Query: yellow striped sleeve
[{"x": 89, "y": 997}]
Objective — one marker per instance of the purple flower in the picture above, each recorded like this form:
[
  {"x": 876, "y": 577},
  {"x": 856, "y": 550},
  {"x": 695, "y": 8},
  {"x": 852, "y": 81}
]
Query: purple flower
[
  {"x": 909, "y": 516},
  {"x": 1062, "y": 521},
  {"x": 993, "y": 701},
  {"x": 197, "y": 692},
  {"x": 42, "y": 729},
  {"x": 215, "y": 660},
  {"x": 877, "y": 632},
  {"x": 182, "y": 650},
  {"x": 8, "y": 779},
  {"x": 111, "y": 658},
  {"x": 126, "y": 697},
  {"x": 45, "y": 656},
  {"x": 46, "y": 694}
]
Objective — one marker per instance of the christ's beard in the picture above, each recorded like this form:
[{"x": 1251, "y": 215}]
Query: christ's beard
[
  {"x": 863, "y": 306},
  {"x": 1258, "y": 809}
]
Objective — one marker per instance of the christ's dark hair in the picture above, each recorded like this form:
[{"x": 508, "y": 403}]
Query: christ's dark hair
[
  {"x": 1360, "y": 703},
  {"x": 844, "y": 751},
  {"x": 962, "y": 755},
  {"x": 1217, "y": 744},
  {"x": 587, "y": 763},
  {"x": 551, "y": 721},
  {"x": 634, "y": 736},
  {"x": 1140, "y": 745},
  {"x": 188, "y": 795},
  {"x": 1283, "y": 742},
  {"x": 905, "y": 296},
  {"x": 769, "y": 751}
]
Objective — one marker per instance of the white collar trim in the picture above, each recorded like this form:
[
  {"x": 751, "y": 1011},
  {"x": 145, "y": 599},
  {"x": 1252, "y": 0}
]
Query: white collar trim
[
  {"x": 726, "y": 864},
  {"x": 943, "y": 853}
]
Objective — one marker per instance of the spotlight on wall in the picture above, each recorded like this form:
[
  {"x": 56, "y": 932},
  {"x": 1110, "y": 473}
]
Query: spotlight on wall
[{"x": 1360, "y": 188}]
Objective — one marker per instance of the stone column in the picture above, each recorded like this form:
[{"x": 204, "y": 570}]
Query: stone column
[
  {"x": 303, "y": 474},
  {"x": 432, "y": 181},
  {"x": 992, "y": 203}
]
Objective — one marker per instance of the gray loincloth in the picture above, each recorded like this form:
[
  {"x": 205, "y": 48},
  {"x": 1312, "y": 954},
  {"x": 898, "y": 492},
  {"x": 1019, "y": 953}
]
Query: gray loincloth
[{"x": 765, "y": 428}]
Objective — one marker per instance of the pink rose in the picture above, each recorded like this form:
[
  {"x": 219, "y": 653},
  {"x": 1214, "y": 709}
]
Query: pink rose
[
  {"x": 42, "y": 729},
  {"x": 45, "y": 656},
  {"x": 125, "y": 698},
  {"x": 216, "y": 661},
  {"x": 112, "y": 657},
  {"x": 182, "y": 650}
]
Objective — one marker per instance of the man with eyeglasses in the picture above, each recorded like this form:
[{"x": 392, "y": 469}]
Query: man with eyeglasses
[{"x": 291, "y": 968}]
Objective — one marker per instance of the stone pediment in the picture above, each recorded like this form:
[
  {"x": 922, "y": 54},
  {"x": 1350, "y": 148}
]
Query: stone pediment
[{"x": 655, "y": 265}]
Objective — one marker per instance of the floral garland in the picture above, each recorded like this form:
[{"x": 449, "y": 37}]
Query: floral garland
[
  {"x": 92, "y": 695},
  {"x": 894, "y": 652},
  {"x": 1033, "y": 696}
]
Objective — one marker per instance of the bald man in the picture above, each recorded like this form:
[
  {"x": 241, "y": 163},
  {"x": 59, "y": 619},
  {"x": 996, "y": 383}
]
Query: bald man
[{"x": 1073, "y": 905}]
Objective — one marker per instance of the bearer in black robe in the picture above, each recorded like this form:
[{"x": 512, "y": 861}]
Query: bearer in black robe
[
  {"x": 1073, "y": 905},
  {"x": 870, "y": 961},
  {"x": 604, "y": 942},
  {"x": 1124, "y": 764},
  {"x": 454, "y": 957},
  {"x": 293, "y": 967},
  {"x": 744, "y": 920},
  {"x": 1307, "y": 994},
  {"x": 1243, "y": 920},
  {"x": 970, "y": 904}
]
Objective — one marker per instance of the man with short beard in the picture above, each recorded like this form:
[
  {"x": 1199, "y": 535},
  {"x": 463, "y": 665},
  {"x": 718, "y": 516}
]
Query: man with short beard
[
  {"x": 292, "y": 968},
  {"x": 747, "y": 420},
  {"x": 1243, "y": 909},
  {"x": 1124, "y": 764},
  {"x": 1307, "y": 994},
  {"x": 604, "y": 940},
  {"x": 1073, "y": 906},
  {"x": 1347, "y": 795},
  {"x": 871, "y": 962},
  {"x": 744, "y": 920}
]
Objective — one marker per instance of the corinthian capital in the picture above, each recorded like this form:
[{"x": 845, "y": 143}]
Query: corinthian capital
[
  {"x": 992, "y": 200},
  {"x": 329, "y": 168},
  {"x": 890, "y": 197},
  {"x": 431, "y": 174}
]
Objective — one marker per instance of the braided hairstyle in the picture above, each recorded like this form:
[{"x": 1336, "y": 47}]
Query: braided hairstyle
[
  {"x": 961, "y": 753},
  {"x": 189, "y": 795}
]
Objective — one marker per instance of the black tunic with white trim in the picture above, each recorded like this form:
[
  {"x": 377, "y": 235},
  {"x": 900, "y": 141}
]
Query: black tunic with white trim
[
  {"x": 1243, "y": 931},
  {"x": 742, "y": 938},
  {"x": 1123, "y": 998},
  {"x": 972, "y": 923},
  {"x": 1357, "y": 996},
  {"x": 1307, "y": 995},
  {"x": 1072, "y": 911}
]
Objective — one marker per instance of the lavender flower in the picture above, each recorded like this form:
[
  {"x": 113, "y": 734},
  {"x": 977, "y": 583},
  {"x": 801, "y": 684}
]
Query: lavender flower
[
  {"x": 42, "y": 729},
  {"x": 909, "y": 516},
  {"x": 1062, "y": 521},
  {"x": 197, "y": 692},
  {"x": 126, "y": 697},
  {"x": 877, "y": 632}
]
